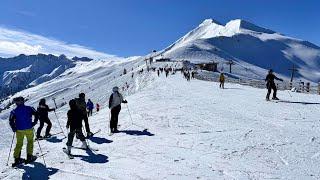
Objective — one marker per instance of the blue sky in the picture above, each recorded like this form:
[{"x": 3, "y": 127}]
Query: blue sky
[{"x": 136, "y": 27}]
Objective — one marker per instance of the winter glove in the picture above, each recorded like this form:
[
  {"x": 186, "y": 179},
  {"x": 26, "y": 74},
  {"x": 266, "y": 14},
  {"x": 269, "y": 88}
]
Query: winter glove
[
  {"x": 125, "y": 101},
  {"x": 14, "y": 129},
  {"x": 67, "y": 126},
  {"x": 34, "y": 123}
]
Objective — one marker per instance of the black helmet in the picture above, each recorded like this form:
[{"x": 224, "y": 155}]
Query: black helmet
[
  {"x": 72, "y": 103},
  {"x": 270, "y": 71},
  {"x": 82, "y": 95},
  {"x": 18, "y": 100},
  {"x": 42, "y": 101}
]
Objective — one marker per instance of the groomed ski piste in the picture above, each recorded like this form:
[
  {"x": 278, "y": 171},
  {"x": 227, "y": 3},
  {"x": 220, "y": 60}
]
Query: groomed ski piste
[{"x": 177, "y": 129}]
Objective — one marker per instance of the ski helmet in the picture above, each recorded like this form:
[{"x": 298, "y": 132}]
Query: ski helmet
[{"x": 115, "y": 89}]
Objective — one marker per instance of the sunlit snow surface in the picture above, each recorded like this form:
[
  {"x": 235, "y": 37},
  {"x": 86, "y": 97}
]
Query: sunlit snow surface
[{"x": 179, "y": 130}]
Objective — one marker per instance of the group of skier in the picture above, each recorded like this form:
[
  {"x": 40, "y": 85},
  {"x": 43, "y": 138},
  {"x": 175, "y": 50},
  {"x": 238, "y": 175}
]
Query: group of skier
[{"x": 22, "y": 123}]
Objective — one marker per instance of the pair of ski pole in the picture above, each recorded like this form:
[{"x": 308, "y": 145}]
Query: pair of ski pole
[{"x": 44, "y": 161}]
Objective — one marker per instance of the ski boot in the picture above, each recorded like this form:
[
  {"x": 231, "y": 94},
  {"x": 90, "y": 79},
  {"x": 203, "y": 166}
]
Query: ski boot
[
  {"x": 30, "y": 158},
  {"x": 84, "y": 145},
  {"x": 275, "y": 98},
  {"x": 18, "y": 161},
  {"x": 48, "y": 135},
  {"x": 89, "y": 134},
  {"x": 39, "y": 138}
]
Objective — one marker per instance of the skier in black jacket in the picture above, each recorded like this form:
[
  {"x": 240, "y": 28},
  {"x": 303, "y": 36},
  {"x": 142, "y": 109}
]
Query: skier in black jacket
[
  {"x": 271, "y": 85},
  {"x": 75, "y": 124},
  {"x": 43, "y": 110}
]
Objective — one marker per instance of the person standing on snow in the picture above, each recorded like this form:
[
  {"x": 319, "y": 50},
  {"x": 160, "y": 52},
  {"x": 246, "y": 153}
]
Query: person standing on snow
[
  {"x": 90, "y": 107},
  {"x": 43, "y": 110},
  {"x": 82, "y": 106},
  {"x": 221, "y": 80},
  {"x": 74, "y": 122},
  {"x": 115, "y": 101},
  {"x": 97, "y": 107},
  {"x": 271, "y": 85},
  {"x": 21, "y": 123}
]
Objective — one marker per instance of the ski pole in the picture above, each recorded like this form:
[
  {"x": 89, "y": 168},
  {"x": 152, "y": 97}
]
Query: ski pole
[
  {"x": 59, "y": 124},
  {"x": 10, "y": 148},
  {"x": 109, "y": 123},
  {"x": 132, "y": 119},
  {"x": 55, "y": 104},
  {"x": 41, "y": 152},
  {"x": 289, "y": 93}
]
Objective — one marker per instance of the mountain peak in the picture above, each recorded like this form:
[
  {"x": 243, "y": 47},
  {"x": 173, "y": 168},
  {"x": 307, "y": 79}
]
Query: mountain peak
[
  {"x": 243, "y": 24},
  {"x": 210, "y": 21}
]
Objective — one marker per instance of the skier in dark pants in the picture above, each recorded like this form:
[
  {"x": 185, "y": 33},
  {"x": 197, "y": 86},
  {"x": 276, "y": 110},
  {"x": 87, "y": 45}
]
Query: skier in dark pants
[
  {"x": 21, "y": 123},
  {"x": 82, "y": 106},
  {"x": 115, "y": 101},
  {"x": 90, "y": 107},
  {"x": 75, "y": 117},
  {"x": 43, "y": 110},
  {"x": 271, "y": 85}
]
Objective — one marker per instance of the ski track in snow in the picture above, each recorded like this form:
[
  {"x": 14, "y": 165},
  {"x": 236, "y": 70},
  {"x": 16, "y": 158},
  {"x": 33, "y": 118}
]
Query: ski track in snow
[{"x": 190, "y": 130}]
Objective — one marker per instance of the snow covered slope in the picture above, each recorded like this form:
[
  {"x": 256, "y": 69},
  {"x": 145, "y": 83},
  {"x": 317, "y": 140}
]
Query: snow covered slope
[
  {"x": 178, "y": 130},
  {"x": 254, "y": 50}
]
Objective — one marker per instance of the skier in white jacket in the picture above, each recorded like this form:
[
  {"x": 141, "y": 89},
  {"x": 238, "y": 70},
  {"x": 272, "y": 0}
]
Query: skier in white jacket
[{"x": 115, "y": 101}]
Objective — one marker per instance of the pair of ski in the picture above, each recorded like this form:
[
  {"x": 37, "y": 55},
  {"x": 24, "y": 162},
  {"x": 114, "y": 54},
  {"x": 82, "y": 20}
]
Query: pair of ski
[
  {"x": 71, "y": 156},
  {"x": 45, "y": 138},
  {"x": 24, "y": 161}
]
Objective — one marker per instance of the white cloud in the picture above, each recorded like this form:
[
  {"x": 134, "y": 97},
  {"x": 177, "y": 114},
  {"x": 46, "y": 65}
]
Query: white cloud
[{"x": 14, "y": 42}]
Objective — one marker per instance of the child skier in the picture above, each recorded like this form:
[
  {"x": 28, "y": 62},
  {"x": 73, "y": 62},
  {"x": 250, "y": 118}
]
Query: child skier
[
  {"x": 115, "y": 101},
  {"x": 21, "y": 123},
  {"x": 43, "y": 110},
  {"x": 74, "y": 122}
]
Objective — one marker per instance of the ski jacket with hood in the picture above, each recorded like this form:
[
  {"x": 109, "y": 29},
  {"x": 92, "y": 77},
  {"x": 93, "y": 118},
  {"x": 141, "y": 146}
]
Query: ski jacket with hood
[
  {"x": 21, "y": 118},
  {"x": 81, "y": 104},
  {"x": 90, "y": 105}
]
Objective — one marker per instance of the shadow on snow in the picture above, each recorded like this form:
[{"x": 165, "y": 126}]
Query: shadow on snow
[
  {"x": 38, "y": 171},
  {"x": 93, "y": 158},
  {"x": 298, "y": 102},
  {"x": 145, "y": 132},
  {"x": 100, "y": 140}
]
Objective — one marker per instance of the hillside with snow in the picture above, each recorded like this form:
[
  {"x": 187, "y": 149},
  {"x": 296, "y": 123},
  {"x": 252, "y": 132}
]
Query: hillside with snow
[
  {"x": 253, "y": 49},
  {"x": 173, "y": 129},
  {"x": 24, "y": 71}
]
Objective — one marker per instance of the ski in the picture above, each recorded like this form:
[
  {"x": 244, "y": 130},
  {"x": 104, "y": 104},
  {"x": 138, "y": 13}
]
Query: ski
[
  {"x": 94, "y": 134},
  {"x": 66, "y": 152},
  {"x": 88, "y": 148},
  {"x": 45, "y": 138}
]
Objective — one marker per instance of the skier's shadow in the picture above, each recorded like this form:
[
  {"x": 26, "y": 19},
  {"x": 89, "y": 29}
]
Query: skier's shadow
[
  {"x": 38, "y": 171},
  {"x": 298, "y": 102},
  {"x": 100, "y": 140},
  {"x": 55, "y": 140},
  {"x": 93, "y": 158},
  {"x": 145, "y": 132}
]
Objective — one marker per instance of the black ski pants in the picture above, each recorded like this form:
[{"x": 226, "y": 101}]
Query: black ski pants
[
  {"x": 49, "y": 125},
  {"x": 114, "y": 118},
  {"x": 271, "y": 86},
  {"x": 78, "y": 133}
]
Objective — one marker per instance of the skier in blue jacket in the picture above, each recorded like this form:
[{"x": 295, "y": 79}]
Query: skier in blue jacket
[
  {"x": 21, "y": 123},
  {"x": 90, "y": 107}
]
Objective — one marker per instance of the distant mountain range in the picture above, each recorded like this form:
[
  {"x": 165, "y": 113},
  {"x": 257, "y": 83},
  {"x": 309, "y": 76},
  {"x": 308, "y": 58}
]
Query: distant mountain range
[
  {"x": 253, "y": 49},
  {"x": 20, "y": 72}
]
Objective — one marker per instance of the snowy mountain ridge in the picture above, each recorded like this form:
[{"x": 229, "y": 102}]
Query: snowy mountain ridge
[
  {"x": 254, "y": 49},
  {"x": 23, "y": 71}
]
